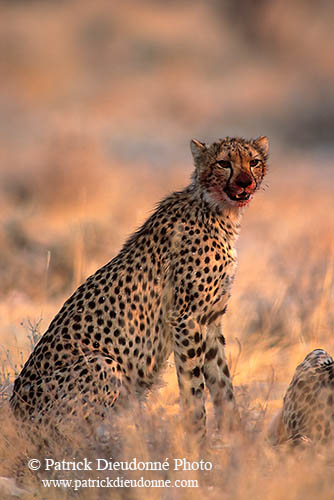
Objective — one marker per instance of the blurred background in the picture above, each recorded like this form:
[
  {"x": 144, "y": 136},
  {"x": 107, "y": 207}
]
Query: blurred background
[{"x": 98, "y": 103}]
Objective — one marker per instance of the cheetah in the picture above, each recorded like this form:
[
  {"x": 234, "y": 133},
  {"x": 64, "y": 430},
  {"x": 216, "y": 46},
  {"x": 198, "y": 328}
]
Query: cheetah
[
  {"x": 165, "y": 291},
  {"x": 307, "y": 415}
]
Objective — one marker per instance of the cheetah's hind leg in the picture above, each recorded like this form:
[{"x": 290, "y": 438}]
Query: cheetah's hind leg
[
  {"x": 86, "y": 388},
  {"x": 94, "y": 385},
  {"x": 91, "y": 386}
]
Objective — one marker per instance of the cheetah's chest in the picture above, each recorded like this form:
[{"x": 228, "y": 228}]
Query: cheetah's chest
[{"x": 220, "y": 299}]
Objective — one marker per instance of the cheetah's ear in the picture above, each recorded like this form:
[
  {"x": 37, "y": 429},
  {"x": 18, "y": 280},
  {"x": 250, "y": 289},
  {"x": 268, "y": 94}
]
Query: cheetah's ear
[
  {"x": 262, "y": 143},
  {"x": 197, "y": 148}
]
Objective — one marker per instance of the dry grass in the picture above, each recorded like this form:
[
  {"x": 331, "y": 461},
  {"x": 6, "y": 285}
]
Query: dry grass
[{"x": 98, "y": 104}]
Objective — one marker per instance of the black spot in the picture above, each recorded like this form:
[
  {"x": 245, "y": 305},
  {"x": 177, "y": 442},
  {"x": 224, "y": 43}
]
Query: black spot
[
  {"x": 229, "y": 395},
  {"x": 211, "y": 354}
]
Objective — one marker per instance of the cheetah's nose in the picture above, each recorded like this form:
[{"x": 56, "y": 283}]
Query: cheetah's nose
[{"x": 244, "y": 180}]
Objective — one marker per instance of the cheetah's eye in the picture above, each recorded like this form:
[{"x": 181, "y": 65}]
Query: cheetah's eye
[
  {"x": 254, "y": 163},
  {"x": 224, "y": 163}
]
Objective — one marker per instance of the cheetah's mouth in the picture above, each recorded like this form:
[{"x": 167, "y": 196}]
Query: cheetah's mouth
[{"x": 243, "y": 196}]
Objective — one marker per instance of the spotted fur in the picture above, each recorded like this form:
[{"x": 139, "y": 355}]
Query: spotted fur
[
  {"x": 166, "y": 291},
  {"x": 307, "y": 414}
]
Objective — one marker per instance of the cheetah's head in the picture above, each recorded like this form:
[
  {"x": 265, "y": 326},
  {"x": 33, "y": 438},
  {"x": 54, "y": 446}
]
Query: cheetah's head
[{"x": 229, "y": 171}]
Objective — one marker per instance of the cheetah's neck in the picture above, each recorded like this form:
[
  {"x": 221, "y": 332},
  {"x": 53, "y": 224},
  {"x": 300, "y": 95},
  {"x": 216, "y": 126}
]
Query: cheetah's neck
[{"x": 227, "y": 216}]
